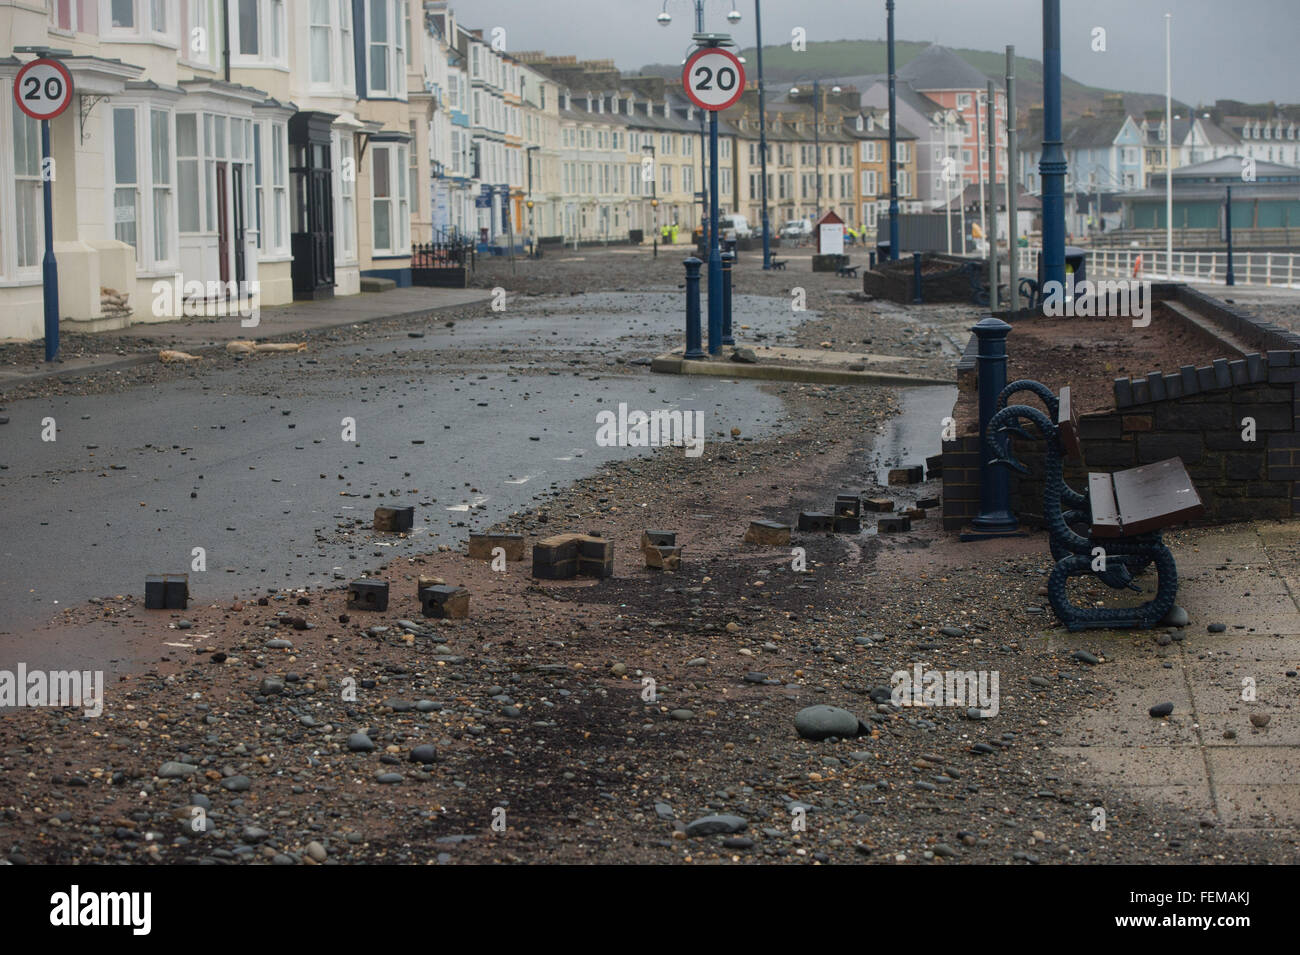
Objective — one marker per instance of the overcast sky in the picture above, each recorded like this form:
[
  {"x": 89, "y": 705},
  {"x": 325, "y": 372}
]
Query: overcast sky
[{"x": 1238, "y": 49}]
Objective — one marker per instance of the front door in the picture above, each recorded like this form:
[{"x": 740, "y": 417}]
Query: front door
[
  {"x": 241, "y": 227},
  {"x": 312, "y": 180}
]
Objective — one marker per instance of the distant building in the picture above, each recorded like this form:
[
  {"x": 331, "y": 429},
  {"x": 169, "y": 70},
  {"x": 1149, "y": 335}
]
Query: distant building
[{"x": 1271, "y": 201}]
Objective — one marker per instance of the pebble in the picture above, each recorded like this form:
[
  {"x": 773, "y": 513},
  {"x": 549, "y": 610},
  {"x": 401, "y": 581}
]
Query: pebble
[
  {"x": 425, "y": 753},
  {"x": 709, "y": 825},
  {"x": 1260, "y": 720},
  {"x": 317, "y": 851},
  {"x": 1176, "y": 617},
  {"x": 1083, "y": 656},
  {"x": 821, "y": 721},
  {"x": 1161, "y": 709},
  {"x": 360, "y": 743},
  {"x": 237, "y": 784},
  {"x": 1217, "y": 627},
  {"x": 176, "y": 770},
  {"x": 682, "y": 714},
  {"x": 388, "y": 778}
]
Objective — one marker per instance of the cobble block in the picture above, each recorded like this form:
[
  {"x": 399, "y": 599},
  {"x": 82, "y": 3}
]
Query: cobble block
[
  {"x": 394, "y": 518},
  {"x": 768, "y": 533},
  {"x": 444, "y": 602},
  {"x": 368, "y": 594},
  {"x": 481, "y": 546}
]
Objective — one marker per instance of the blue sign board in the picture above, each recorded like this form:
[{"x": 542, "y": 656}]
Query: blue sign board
[{"x": 483, "y": 202}]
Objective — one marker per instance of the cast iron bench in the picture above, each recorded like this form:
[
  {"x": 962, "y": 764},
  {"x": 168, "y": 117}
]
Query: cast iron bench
[
  {"x": 1121, "y": 513},
  {"x": 778, "y": 264},
  {"x": 848, "y": 271}
]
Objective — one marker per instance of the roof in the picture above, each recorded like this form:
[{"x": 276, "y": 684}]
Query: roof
[
  {"x": 1228, "y": 170},
  {"x": 939, "y": 68}
]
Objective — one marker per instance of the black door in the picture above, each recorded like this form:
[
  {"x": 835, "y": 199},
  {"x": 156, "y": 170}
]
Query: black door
[
  {"x": 237, "y": 187},
  {"x": 312, "y": 180}
]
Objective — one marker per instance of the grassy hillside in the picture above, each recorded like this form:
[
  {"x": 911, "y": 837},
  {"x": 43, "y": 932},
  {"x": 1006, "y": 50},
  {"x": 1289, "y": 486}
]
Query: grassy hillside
[{"x": 835, "y": 58}]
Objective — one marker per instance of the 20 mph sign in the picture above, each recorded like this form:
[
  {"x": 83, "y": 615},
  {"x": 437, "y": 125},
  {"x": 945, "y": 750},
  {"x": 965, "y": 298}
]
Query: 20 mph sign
[
  {"x": 713, "y": 78},
  {"x": 43, "y": 88}
]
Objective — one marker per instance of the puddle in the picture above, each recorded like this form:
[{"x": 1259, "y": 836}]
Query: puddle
[{"x": 915, "y": 433}]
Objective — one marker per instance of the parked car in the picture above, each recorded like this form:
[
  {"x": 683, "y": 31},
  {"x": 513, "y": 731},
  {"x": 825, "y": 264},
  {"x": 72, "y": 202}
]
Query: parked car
[
  {"x": 735, "y": 227},
  {"x": 796, "y": 229}
]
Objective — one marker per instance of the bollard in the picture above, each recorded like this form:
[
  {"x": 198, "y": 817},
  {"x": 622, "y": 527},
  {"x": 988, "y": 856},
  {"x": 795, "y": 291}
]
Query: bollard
[
  {"x": 693, "y": 333},
  {"x": 995, "y": 518},
  {"x": 871, "y": 261},
  {"x": 916, "y": 278},
  {"x": 728, "y": 260}
]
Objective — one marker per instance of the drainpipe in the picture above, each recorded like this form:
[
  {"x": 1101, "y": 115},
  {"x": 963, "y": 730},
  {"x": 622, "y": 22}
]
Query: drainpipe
[{"x": 225, "y": 35}]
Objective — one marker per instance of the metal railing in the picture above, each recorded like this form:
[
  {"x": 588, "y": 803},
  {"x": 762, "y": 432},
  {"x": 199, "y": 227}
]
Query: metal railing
[{"x": 1276, "y": 269}]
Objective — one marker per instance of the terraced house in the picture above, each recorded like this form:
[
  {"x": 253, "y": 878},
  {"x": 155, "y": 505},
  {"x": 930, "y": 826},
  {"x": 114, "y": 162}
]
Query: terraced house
[{"x": 262, "y": 150}]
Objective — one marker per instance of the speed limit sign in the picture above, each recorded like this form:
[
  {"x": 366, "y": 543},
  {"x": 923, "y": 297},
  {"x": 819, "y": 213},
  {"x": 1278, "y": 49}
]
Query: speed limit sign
[
  {"x": 713, "y": 78},
  {"x": 43, "y": 88}
]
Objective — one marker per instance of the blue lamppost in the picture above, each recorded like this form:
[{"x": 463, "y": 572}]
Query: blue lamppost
[{"x": 1052, "y": 165}]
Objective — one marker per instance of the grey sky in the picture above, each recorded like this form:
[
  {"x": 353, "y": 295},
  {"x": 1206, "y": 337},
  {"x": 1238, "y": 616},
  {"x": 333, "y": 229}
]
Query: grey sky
[{"x": 1242, "y": 49}]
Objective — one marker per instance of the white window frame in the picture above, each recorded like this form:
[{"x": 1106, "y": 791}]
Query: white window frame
[
  {"x": 146, "y": 222},
  {"x": 143, "y": 28},
  {"x": 191, "y": 12},
  {"x": 398, "y": 200},
  {"x": 10, "y": 273},
  {"x": 394, "y": 46},
  {"x": 271, "y": 21}
]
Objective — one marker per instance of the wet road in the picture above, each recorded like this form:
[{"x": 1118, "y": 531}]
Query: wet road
[{"x": 250, "y": 463}]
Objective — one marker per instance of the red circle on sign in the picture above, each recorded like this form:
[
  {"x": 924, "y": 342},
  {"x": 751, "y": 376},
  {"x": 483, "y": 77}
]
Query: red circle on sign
[
  {"x": 62, "y": 104},
  {"x": 694, "y": 97}
]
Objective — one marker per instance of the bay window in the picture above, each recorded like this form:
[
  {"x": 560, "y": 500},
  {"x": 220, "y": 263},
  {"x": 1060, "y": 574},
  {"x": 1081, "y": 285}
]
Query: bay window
[
  {"x": 279, "y": 188},
  {"x": 198, "y": 33},
  {"x": 160, "y": 162},
  {"x": 187, "y": 172},
  {"x": 329, "y": 44},
  {"x": 123, "y": 19},
  {"x": 125, "y": 178},
  {"x": 29, "y": 234}
]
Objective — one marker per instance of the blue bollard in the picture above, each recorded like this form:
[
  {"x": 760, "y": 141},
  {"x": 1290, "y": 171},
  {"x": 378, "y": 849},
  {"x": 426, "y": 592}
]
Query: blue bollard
[
  {"x": 728, "y": 260},
  {"x": 693, "y": 333},
  {"x": 916, "y": 278},
  {"x": 995, "y": 518},
  {"x": 871, "y": 261}
]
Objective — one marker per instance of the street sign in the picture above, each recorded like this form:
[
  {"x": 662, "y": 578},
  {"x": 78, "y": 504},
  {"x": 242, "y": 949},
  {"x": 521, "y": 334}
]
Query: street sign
[
  {"x": 43, "y": 88},
  {"x": 482, "y": 202},
  {"x": 485, "y": 189},
  {"x": 713, "y": 78}
]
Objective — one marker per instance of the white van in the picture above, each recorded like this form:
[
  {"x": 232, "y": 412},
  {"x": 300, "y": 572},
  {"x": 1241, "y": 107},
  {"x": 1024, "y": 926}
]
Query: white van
[{"x": 734, "y": 227}]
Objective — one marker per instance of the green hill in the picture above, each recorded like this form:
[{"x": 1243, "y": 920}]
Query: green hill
[{"x": 842, "y": 58}]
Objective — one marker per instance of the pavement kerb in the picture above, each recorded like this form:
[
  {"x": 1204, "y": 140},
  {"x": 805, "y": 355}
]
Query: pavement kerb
[
  {"x": 59, "y": 370},
  {"x": 671, "y": 363}
]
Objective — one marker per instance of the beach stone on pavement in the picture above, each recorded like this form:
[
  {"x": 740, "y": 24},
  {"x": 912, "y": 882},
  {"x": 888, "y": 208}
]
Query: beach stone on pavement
[
  {"x": 360, "y": 743},
  {"x": 1216, "y": 628},
  {"x": 821, "y": 721},
  {"x": 1161, "y": 709},
  {"x": 710, "y": 825},
  {"x": 1176, "y": 617}
]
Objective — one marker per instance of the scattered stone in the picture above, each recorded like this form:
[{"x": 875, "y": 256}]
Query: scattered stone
[
  {"x": 821, "y": 722},
  {"x": 360, "y": 743},
  {"x": 1260, "y": 720},
  {"x": 1217, "y": 627},
  {"x": 1176, "y": 617},
  {"x": 176, "y": 770},
  {"x": 710, "y": 825},
  {"x": 1161, "y": 709}
]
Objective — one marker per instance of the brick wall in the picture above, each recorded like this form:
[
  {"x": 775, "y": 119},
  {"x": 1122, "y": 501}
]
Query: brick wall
[
  {"x": 893, "y": 280},
  {"x": 1194, "y": 413}
]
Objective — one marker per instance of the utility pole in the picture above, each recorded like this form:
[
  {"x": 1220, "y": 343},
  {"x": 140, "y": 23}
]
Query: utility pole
[
  {"x": 893, "y": 137},
  {"x": 1013, "y": 188},
  {"x": 993, "y": 197},
  {"x": 1169, "y": 156},
  {"x": 762, "y": 139},
  {"x": 1052, "y": 165}
]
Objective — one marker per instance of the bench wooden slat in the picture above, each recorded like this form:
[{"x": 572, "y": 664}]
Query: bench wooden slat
[
  {"x": 1155, "y": 495},
  {"x": 1067, "y": 422},
  {"x": 1105, "y": 512}
]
